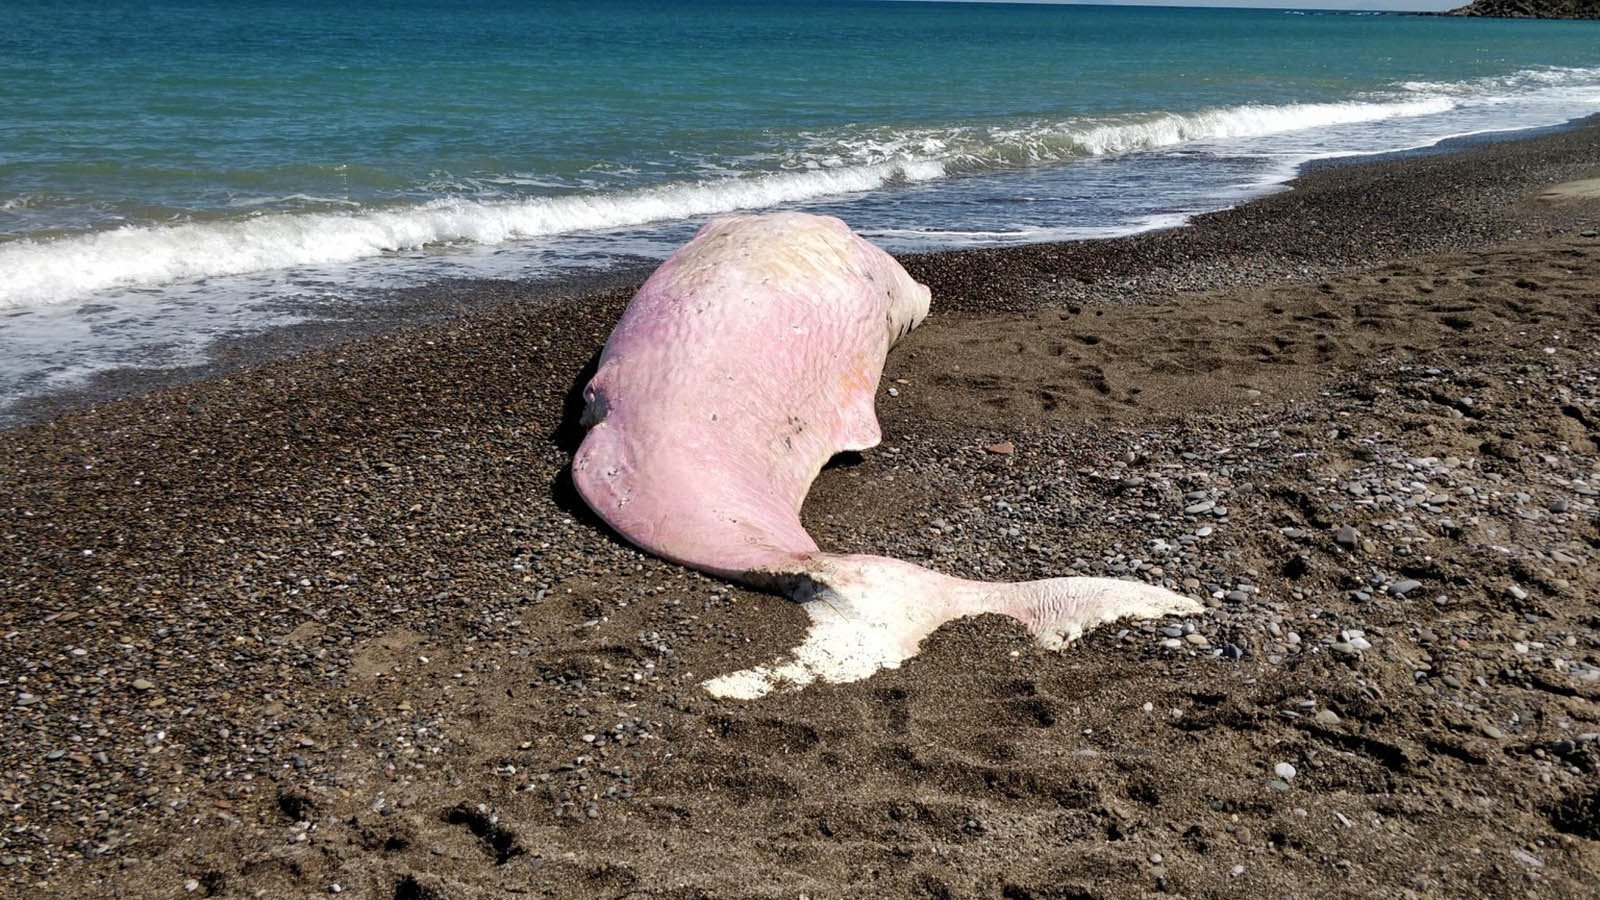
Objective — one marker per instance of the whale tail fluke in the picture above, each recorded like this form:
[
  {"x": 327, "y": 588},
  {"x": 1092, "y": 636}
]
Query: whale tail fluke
[{"x": 871, "y": 612}]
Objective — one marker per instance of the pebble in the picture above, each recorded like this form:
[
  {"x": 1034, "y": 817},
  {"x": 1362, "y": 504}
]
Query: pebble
[
  {"x": 1197, "y": 639},
  {"x": 1347, "y": 537},
  {"x": 1285, "y": 771},
  {"x": 1326, "y": 717},
  {"x": 1197, "y": 508},
  {"x": 1402, "y": 588},
  {"x": 26, "y": 699},
  {"x": 1516, "y": 592},
  {"x": 143, "y": 684},
  {"x": 1493, "y": 733}
]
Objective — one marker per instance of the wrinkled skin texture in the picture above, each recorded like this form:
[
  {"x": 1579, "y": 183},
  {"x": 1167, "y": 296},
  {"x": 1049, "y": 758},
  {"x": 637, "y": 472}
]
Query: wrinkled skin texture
[
  {"x": 749, "y": 358},
  {"x": 746, "y": 361}
]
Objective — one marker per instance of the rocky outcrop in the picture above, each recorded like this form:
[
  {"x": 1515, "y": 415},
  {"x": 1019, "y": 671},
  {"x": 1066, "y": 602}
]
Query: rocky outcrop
[{"x": 1531, "y": 9}]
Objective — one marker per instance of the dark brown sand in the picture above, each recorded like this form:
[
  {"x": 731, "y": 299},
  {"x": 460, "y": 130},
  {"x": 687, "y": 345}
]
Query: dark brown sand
[{"x": 336, "y": 624}]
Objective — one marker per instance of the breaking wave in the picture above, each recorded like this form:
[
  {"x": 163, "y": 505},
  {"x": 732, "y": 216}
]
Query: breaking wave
[{"x": 806, "y": 167}]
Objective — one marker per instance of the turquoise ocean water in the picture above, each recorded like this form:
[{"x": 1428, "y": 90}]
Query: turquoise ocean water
[{"x": 174, "y": 172}]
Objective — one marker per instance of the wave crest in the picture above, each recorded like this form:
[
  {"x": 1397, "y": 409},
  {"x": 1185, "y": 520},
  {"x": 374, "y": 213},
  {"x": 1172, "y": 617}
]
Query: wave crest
[{"x": 70, "y": 267}]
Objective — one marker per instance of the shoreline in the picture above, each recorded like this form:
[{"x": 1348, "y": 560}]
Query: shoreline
[
  {"x": 337, "y": 619},
  {"x": 442, "y": 300}
]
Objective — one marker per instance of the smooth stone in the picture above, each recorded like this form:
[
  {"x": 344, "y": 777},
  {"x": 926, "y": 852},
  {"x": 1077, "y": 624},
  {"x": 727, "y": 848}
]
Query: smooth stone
[
  {"x": 1347, "y": 536},
  {"x": 1402, "y": 588},
  {"x": 1326, "y": 717},
  {"x": 1285, "y": 771}
]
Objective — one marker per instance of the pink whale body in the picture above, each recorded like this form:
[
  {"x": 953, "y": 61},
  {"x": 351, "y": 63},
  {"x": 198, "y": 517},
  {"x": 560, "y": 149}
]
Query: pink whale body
[{"x": 748, "y": 359}]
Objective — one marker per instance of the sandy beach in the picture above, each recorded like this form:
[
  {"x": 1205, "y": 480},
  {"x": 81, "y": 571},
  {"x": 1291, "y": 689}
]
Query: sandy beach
[{"x": 337, "y": 624}]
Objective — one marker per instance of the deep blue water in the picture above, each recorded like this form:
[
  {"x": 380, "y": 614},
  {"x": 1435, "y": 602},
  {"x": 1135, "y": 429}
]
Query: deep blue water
[{"x": 175, "y": 171}]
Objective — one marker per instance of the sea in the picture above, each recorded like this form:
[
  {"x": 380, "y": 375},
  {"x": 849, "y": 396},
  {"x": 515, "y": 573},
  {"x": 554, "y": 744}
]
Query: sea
[{"x": 176, "y": 173}]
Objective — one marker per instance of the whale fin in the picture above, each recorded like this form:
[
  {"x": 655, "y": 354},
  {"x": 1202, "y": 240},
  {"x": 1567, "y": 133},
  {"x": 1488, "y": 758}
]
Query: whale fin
[{"x": 870, "y": 612}]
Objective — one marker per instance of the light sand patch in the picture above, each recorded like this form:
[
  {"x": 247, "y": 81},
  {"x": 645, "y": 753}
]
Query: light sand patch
[{"x": 1585, "y": 189}]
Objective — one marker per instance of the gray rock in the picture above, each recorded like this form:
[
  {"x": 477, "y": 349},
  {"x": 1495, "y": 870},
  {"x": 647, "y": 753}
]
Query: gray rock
[
  {"x": 1347, "y": 537},
  {"x": 1402, "y": 588}
]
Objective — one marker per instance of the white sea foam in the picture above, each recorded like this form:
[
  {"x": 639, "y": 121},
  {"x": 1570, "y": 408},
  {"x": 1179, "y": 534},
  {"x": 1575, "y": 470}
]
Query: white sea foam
[
  {"x": 53, "y": 271},
  {"x": 812, "y": 166}
]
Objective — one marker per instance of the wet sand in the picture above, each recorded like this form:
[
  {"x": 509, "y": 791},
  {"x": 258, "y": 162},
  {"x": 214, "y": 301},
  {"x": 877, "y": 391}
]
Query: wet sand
[{"x": 336, "y": 623}]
